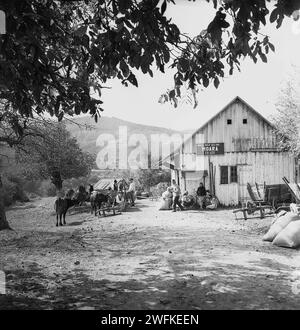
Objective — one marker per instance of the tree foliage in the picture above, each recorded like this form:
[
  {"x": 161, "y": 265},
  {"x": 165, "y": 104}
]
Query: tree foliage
[
  {"x": 13, "y": 127},
  {"x": 287, "y": 119},
  {"x": 233, "y": 34},
  {"x": 151, "y": 177},
  {"x": 56, "y": 54},
  {"x": 55, "y": 154}
]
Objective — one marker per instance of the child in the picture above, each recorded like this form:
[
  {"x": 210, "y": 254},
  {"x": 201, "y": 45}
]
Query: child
[{"x": 213, "y": 203}]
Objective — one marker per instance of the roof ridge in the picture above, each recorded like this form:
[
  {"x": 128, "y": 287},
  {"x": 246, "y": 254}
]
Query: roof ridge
[
  {"x": 214, "y": 116},
  {"x": 226, "y": 106}
]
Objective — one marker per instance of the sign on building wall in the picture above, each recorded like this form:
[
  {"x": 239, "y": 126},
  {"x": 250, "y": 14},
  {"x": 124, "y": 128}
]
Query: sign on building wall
[
  {"x": 210, "y": 149},
  {"x": 255, "y": 144},
  {"x": 2, "y": 22}
]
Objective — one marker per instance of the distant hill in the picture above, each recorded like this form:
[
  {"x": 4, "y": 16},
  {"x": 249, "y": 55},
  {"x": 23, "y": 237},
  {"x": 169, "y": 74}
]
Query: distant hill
[{"x": 87, "y": 136}]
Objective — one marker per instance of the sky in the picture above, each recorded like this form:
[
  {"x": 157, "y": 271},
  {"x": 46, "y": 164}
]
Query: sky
[{"x": 258, "y": 84}]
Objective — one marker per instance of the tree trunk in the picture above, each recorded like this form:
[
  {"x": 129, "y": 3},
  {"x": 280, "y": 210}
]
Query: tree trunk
[{"x": 3, "y": 221}]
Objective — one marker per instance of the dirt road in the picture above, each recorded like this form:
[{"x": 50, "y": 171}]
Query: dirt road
[{"x": 144, "y": 259}]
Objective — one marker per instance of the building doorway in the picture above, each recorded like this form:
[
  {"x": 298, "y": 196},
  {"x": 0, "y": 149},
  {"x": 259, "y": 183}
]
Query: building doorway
[{"x": 244, "y": 176}]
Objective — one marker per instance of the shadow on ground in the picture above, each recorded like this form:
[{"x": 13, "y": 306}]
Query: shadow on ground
[{"x": 179, "y": 290}]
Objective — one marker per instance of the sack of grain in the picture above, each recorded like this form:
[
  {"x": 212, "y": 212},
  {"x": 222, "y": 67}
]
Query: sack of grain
[
  {"x": 164, "y": 204},
  {"x": 289, "y": 236},
  {"x": 280, "y": 224},
  {"x": 278, "y": 215}
]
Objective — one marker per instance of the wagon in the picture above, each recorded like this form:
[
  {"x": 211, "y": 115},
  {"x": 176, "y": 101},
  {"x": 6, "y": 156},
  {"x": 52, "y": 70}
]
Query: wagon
[
  {"x": 295, "y": 192},
  {"x": 117, "y": 198},
  {"x": 272, "y": 198}
]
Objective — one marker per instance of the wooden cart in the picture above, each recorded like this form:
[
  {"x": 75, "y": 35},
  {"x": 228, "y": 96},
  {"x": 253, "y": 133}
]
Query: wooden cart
[
  {"x": 258, "y": 202},
  {"x": 274, "y": 198}
]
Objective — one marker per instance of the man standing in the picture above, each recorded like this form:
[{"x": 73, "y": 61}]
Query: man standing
[
  {"x": 115, "y": 185},
  {"x": 176, "y": 195},
  {"x": 91, "y": 189},
  {"x": 201, "y": 193},
  {"x": 131, "y": 191}
]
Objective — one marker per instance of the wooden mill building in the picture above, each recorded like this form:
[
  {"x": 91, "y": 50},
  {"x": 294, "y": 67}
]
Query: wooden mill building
[{"x": 234, "y": 147}]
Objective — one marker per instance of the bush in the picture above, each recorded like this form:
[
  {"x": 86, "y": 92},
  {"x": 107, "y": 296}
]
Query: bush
[
  {"x": 46, "y": 189},
  {"x": 14, "y": 187},
  {"x": 19, "y": 193},
  {"x": 9, "y": 190},
  {"x": 43, "y": 188},
  {"x": 74, "y": 183},
  {"x": 32, "y": 186},
  {"x": 151, "y": 177},
  {"x": 13, "y": 190}
]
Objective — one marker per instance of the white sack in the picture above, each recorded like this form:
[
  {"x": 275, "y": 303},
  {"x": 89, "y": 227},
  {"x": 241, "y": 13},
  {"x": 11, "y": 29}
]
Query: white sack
[
  {"x": 280, "y": 224},
  {"x": 289, "y": 236}
]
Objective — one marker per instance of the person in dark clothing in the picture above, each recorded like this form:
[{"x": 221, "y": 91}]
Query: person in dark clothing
[
  {"x": 91, "y": 189},
  {"x": 201, "y": 193},
  {"x": 115, "y": 185}
]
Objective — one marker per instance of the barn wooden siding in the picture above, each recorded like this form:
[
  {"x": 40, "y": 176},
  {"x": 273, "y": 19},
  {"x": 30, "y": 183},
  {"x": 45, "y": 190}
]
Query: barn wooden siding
[
  {"x": 251, "y": 147},
  {"x": 236, "y": 137},
  {"x": 252, "y": 167}
]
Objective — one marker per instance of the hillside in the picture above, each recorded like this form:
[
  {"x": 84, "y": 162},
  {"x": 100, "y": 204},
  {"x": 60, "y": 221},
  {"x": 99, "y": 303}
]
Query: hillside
[{"x": 87, "y": 136}]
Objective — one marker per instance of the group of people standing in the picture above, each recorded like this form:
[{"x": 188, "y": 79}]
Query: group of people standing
[
  {"x": 123, "y": 190},
  {"x": 130, "y": 192},
  {"x": 173, "y": 198}
]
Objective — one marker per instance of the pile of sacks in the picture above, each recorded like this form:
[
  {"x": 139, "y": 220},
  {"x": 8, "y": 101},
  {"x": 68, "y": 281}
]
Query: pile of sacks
[
  {"x": 166, "y": 200},
  {"x": 285, "y": 230}
]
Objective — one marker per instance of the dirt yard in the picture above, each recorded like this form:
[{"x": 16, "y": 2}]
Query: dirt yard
[{"x": 144, "y": 259}]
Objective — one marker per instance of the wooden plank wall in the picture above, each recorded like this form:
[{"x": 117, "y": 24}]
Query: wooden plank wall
[{"x": 240, "y": 142}]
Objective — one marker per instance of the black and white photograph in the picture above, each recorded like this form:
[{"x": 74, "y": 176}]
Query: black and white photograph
[{"x": 149, "y": 157}]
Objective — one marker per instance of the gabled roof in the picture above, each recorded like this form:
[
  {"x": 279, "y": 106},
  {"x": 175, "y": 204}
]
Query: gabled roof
[{"x": 237, "y": 98}]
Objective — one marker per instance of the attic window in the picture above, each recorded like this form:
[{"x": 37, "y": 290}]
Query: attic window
[
  {"x": 245, "y": 121},
  {"x": 229, "y": 121}
]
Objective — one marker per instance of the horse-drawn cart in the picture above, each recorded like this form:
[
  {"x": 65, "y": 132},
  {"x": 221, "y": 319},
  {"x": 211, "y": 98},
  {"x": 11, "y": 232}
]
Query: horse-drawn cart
[
  {"x": 263, "y": 198},
  {"x": 106, "y": 200}
]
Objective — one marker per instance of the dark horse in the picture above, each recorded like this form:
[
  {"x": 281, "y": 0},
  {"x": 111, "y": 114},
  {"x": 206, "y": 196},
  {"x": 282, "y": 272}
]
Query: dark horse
[
  {"x": 61, "y": 206},
  {"x": 97, "y": 199},
  {"x": 81, "y": 195}
]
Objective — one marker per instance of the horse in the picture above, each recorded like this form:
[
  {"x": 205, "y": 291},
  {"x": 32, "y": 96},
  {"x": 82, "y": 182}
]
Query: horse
[
  {"x": 81, "y": 195},
  {"x": 61, "y": 207},
  {"x": 97, "y": 198},
  {"x": 62, "y": 204}
]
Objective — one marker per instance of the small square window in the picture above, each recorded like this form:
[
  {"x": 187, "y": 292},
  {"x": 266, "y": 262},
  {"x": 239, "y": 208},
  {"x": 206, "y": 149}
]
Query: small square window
[
  {"x": 245, "y": 121},
  {"x": 229, "y": 121}
]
